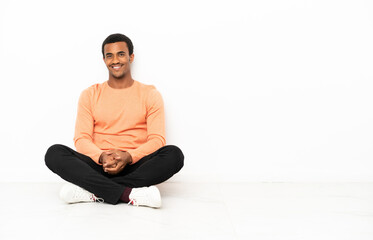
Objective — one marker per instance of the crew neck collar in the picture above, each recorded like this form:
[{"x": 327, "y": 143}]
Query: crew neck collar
[{"x": 120, "y": 89}]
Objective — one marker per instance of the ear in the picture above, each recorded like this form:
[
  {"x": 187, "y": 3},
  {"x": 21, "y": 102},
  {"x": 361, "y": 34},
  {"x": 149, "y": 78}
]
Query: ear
[{"x": 132, "y": 57}]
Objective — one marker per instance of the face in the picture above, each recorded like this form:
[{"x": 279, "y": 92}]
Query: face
[{"x": 117, "y": 59}]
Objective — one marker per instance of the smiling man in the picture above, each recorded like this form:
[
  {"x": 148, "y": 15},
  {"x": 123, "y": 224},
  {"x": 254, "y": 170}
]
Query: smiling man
[{"x": 119, "y": 138}]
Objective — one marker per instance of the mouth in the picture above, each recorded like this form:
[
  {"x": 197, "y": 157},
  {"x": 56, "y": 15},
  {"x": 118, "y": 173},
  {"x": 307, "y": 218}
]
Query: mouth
[{"x": 116, "y": 67}]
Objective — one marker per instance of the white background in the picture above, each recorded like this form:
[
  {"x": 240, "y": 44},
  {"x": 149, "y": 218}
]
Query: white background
[{"x": 253, "y": 90}]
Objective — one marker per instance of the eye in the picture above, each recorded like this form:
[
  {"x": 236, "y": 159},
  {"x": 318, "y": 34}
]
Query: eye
[
  {"x": 121, "y": 54},
  {"x": 109, "y": 56}
]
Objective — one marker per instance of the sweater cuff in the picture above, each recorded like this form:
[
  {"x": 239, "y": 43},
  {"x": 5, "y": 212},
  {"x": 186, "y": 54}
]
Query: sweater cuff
[
  {"x": 134, "y": 156},
  {"x": 96, "y": 157}
]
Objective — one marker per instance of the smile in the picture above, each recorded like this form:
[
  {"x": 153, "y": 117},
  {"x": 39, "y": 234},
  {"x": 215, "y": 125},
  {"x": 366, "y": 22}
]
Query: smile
[{"x": 116, "y": 67}]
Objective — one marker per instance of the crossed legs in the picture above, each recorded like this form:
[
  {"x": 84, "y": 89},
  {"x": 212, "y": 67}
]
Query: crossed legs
[{"x": 81, "y": 170}]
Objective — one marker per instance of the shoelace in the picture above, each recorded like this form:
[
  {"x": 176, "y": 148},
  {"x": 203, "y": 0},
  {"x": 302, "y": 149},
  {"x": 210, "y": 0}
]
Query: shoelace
[
  {"x": 83, "y": 194},
  {"x": 133, "y": 202},
  {"x": 96, "y": 199}
]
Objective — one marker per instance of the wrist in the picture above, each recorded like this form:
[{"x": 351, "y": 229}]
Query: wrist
[
  {"x": 100, "y": 158},
  {"x": 129, "y": 158}
]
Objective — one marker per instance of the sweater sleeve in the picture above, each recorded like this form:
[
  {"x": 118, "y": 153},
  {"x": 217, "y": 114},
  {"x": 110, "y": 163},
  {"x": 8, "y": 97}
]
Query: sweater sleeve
[
  {"x": 155, "y": 122},
  {"x": 83, "y": 137}
]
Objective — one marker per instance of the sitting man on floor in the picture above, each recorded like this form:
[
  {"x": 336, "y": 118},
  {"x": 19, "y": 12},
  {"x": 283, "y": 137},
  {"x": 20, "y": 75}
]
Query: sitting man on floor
[{"x": 119, "y": 138}]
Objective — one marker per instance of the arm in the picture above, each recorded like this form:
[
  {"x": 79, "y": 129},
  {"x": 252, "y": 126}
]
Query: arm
[
  {"x": 155, "y": 121},
  {"x": 83, "y": 138}
]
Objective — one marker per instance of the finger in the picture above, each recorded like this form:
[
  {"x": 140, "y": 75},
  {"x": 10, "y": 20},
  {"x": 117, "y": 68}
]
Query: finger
[
  {"x": 111, "y": 170},
  {"x": 109, "y": 152},
  {"x": 113, "y": 166},
  {"x": 110, "y": 165}
]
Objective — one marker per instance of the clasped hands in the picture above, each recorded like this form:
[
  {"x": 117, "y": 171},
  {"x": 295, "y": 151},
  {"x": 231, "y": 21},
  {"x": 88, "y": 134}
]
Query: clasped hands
[{"x": 114, "y": 161}]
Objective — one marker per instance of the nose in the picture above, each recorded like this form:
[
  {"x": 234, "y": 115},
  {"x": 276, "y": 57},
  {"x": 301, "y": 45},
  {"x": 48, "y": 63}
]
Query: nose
[{"x": 115, "y": 59}]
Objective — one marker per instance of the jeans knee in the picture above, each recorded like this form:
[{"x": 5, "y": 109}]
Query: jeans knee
[
  {"x": 51, "y": 156},
  {"x": 177, "y": 156}
]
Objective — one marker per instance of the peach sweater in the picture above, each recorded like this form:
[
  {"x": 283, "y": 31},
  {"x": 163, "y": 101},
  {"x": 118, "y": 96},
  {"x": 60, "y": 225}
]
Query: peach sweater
[{"x": 129, "y": 119}]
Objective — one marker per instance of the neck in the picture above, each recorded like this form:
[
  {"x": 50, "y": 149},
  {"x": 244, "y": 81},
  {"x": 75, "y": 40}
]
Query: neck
[{"x": 123, "y": 82}]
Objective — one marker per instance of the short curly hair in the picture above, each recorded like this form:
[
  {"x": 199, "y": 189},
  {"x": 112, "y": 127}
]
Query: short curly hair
[{"x": 117, "y": 37}]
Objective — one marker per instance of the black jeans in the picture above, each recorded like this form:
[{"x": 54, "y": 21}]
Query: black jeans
[{"x": 81, "y": 170}]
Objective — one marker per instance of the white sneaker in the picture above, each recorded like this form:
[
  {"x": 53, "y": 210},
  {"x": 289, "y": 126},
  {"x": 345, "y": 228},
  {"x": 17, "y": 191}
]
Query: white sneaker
[
  {"x": 71, "y": 193},
  {"x": 145, "y": 196}
]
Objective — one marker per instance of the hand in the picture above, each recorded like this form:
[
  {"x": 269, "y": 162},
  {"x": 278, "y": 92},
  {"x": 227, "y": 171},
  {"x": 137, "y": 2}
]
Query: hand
[
  {"x": 107, "y": 160},
  {"x": 114, "y": 161}
]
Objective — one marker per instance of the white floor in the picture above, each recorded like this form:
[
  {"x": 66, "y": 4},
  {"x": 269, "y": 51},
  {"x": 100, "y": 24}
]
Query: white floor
[{"x": 195, "y": 211}]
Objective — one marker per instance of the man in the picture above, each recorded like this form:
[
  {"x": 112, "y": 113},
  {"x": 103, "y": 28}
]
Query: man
[{"x": 119, "y": 138}]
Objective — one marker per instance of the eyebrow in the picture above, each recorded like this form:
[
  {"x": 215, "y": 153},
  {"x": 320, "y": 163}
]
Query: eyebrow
[{"x": 107, "y": 54}]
